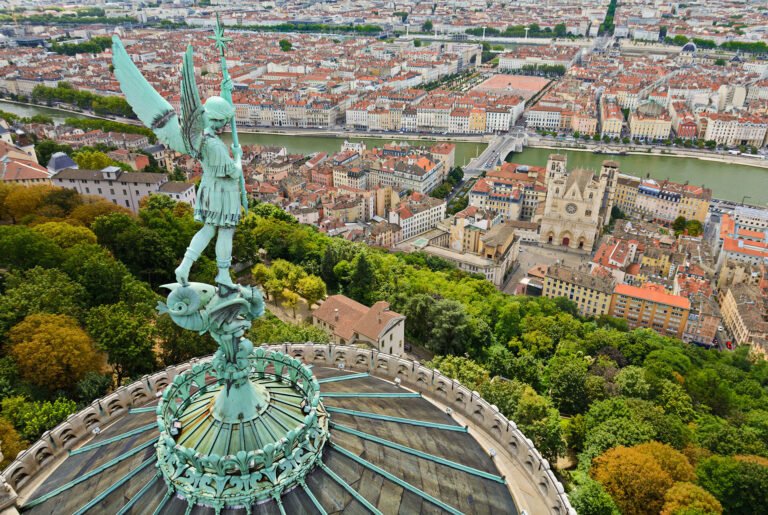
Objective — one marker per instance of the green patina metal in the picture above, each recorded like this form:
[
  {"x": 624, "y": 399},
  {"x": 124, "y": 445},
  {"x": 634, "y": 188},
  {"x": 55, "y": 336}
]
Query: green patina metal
[
  {"x": 343, "y": 378},
  {"x": 227, "y": 439},
  {"x": 369, "y": 395},
  {"x": 367, "y": 464},
  {"x": 88, "y": 475},
  {"x": 148, "y": 409},
  {"x": 103, "y": 495},
  {"x": 354, "y": 493},
  {"x": 314, "y": 500},
  {"x": 117, "y": 438},
  {"x": 144, "y": 489},
  {"x": 398, "y": 420},
  {"x": 418, "y": 453}
]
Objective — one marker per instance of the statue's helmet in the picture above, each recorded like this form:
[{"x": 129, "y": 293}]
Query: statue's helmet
[{"x": 218, "y": 108}]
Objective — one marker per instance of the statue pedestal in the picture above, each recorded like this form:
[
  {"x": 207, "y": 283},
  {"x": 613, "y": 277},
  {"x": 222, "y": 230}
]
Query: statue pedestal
[{"x": 241, "y": 403}]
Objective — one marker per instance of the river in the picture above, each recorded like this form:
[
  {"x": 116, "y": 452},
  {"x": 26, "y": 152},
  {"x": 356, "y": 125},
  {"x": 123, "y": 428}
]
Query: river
[{"x": 727, "y": 181}]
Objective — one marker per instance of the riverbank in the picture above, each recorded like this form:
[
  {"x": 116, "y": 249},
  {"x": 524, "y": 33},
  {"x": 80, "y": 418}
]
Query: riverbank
[
  {"x": 754, "y": 162},
  {"x": 729, "y": 177},
  {"x": 533, "y": 141},
  {"x": 727, "y": 181}
]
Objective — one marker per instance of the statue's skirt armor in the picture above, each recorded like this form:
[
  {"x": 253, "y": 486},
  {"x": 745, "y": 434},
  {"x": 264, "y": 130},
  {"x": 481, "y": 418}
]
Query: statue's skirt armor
[
  {"x": 218, "y": 202},
  {"x": 218, "y": 198}
]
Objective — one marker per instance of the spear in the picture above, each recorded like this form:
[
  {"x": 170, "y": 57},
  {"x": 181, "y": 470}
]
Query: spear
[{"x": 226, "y": 93}]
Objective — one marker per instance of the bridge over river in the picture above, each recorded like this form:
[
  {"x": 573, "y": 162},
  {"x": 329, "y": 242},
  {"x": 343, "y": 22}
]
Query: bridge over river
[{"x": 497, "y": 150}]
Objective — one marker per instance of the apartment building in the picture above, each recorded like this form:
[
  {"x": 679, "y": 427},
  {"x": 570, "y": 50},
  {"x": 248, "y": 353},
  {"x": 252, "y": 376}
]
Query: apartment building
[
  {"x": 125, "y": 189},
  {"x": 417, "y": 214},
  {"x": 626, "y": 193},
  {"x": 611, "y": 119},
  {"x": 591, "y": 293},
  {"x": 744, "y": 309},
  {"x": 731, "y": 129},
  {"x": 652, "y": 307},
  {"x": 650, "y": 121},
  {"x": 667, "y": 200}
]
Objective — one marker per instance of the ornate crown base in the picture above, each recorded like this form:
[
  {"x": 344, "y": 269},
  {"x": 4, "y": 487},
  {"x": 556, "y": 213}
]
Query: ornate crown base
[
  {"x": 236, "y": 463},
  {"x": 230, "y": 489}
]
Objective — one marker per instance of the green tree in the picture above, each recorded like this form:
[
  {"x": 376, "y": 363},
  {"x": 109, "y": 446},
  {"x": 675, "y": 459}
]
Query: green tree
[
  {"x": 566, "y": 378},
  {"x": 126, "y": 337},
  {"x": 427, "y": 26},
  {"x": 590, "y": 498},
  {"x": 32, "y": 419},
  {"x": 560, "y": 31},
  {"x": 178, "y": 345},
  {"x": 270, "y": 329},
  {"x": 290, "y": 300},
  {"x": 452, "y": 331},
  {"x": 92, "y": 160},
  {"x": 363, "y": 280},
  {"x": 285, "y": 45},
  {"x": 540, "y": 421},
  {"x": 39, "y": 291},
  {"x": 466, "y": 371},
  {"x": 46, "y": 148},
  {"x": 23, "y": 248},
  {"x": 66, "y": 235},
  {"x": 632, "y": 383},
  {"x": 94, "y": 268},
  {"x": 739, "y": 483},
  {"x": 93, "y": 386},
  {"x": 311, "y": 288},
  {"x": 694, "y": 228}
]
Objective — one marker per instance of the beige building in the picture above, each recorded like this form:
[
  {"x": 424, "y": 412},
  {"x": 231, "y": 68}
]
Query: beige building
[
  {"x": 650, "y": 121},
  {"x": 495, "y": 253},
  {"x": 652, "y": 307},
  {"x": 572, "y": 211},
  {"x": 348, "y": 322},
  {"x": 611, "y": 119},
  {"x": 592, "y": 294},
  {"x": 745, "y": 314},
  {"x": 626, "y": 193}
]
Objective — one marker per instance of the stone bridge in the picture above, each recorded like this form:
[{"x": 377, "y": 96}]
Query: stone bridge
[{"x": 497, "y": 150}]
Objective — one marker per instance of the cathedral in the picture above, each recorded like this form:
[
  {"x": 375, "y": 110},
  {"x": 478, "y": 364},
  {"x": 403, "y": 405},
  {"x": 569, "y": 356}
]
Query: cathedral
[{"x": 578, "y": 204}]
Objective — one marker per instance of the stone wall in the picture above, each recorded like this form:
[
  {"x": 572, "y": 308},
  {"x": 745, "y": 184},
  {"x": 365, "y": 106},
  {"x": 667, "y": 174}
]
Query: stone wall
[{"x": 431, "y": 383}]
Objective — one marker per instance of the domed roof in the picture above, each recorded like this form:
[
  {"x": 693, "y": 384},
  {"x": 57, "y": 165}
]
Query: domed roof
[
  {"x": 403, "y": 438},
  {"x": 689, "y": 47}
]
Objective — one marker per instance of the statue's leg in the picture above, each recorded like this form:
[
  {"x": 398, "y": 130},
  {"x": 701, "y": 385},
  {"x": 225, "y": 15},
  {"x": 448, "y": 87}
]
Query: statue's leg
[
  {"x": 224, "y": 255},
  {"x": 196, "y": 247}
]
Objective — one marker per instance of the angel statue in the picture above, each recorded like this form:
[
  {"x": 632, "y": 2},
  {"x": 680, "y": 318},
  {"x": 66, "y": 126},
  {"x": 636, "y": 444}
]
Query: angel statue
[{"x": 195, "y": 131}]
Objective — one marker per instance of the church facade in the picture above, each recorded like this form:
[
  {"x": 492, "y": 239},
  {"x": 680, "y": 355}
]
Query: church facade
[{"x": 578, "y": 204}]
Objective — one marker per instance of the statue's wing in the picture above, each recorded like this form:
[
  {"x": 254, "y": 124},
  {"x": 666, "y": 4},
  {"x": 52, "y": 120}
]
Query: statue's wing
[
  {"x": 151, "y": 108},
  {"x": 192, "y": 114}
]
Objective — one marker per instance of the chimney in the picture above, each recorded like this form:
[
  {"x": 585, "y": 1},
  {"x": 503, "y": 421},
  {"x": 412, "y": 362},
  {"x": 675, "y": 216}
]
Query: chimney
[{"x": 336, "y": 314}]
